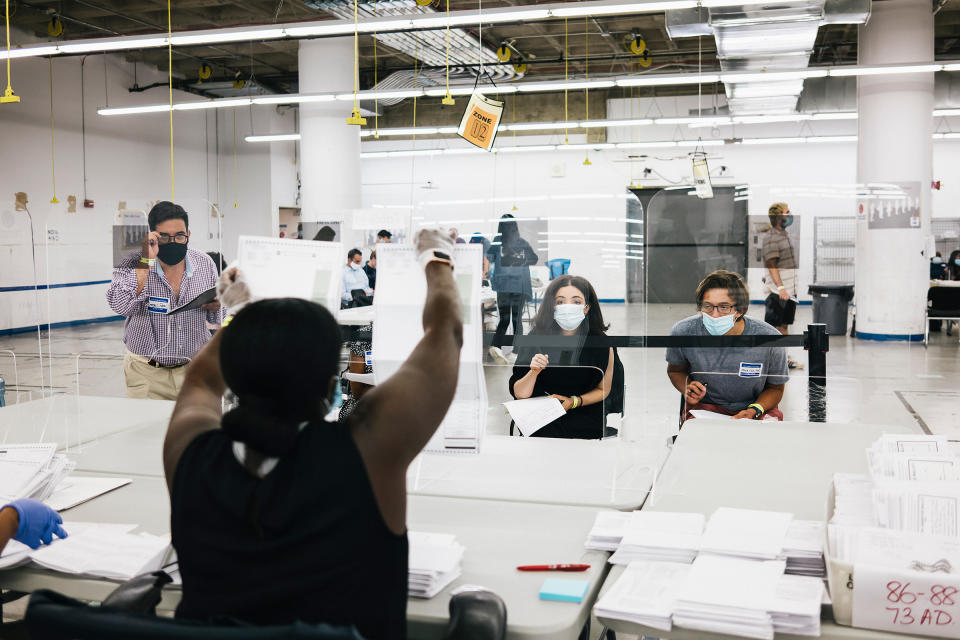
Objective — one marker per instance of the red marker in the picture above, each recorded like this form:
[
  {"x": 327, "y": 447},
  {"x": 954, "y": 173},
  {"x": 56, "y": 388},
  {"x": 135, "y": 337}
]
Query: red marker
[{"x": 553, "y": 567}]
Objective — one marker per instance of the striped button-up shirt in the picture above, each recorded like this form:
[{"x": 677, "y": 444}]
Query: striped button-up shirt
[{"x": 169, "y": 340}]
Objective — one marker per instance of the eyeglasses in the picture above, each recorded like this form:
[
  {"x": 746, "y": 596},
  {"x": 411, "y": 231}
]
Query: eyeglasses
[
  {"x": 724, "y": 309},
  {"x": 179, "y": 238}
]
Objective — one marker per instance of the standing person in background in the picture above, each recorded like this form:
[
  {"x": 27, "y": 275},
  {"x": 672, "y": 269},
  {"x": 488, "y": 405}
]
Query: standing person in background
[
  {"x": 356, "y": 290},
  {"x": 147, "y": 285},
  {"x": 953, "y": 273},
  {"x": 371, "y": 269},
  {"x": 384, "y": 236},
  {"x": 511, "y": 257},
  {"x": 781, "y": 279}
]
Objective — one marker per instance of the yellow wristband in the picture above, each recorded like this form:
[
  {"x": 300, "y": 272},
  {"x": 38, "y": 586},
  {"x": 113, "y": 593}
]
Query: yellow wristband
[
  {"x": 226, "y": 321},
  {"x": 576, "y": 402},
  {"x": 757, "y": 407},
  {"x": 148, "y": 261}
]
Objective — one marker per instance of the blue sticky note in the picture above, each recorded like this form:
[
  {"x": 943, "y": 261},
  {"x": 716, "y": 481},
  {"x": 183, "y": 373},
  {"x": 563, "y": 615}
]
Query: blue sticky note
[{"x": 564, "y": 590}]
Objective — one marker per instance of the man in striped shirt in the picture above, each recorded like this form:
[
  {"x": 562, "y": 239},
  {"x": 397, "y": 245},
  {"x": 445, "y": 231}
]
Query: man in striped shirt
[{"x": 147, "y": 285}]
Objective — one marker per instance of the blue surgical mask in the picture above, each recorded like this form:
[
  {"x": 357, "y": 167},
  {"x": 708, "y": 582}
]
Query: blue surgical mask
[
  {"x": 718, "y": 326},
  {"x": 568, "y": 316},
  {"x": 937, "y": 260},
  {"x": 336, "y": 401},
  {"x": 787, "y": 221},
  {"x": 957, "y": 262}
]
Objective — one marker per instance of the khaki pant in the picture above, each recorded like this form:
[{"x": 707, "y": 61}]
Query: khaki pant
[{"x": 145, "y": 381}]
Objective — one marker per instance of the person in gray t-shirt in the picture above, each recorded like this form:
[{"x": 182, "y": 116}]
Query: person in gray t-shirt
[{"x": 741, "y": 382}]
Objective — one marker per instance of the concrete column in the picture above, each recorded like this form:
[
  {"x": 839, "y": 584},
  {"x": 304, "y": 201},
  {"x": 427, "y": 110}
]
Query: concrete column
[
  {"x": 895, "y": 146},
  {"x": 329, "y": 147}
]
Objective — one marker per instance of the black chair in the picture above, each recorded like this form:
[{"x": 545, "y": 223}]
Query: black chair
[
  {"x": 943, "y": 303},
  {"x": 129, "y": 612}
]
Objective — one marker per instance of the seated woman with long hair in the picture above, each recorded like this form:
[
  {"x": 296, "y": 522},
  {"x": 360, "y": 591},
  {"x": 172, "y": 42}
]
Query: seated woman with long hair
[
  {"x": 580, "y": 376},
  {"x": 276, "y": 515}
]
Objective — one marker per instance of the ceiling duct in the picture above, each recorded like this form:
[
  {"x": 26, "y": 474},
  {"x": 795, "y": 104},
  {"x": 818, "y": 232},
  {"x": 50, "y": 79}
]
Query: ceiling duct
[
  {"x": 429, "y": 47},
  {"x": 779, "y": 37}
]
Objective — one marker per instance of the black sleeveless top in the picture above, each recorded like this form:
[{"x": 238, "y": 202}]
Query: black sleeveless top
[{"x": 306, "y": 542}]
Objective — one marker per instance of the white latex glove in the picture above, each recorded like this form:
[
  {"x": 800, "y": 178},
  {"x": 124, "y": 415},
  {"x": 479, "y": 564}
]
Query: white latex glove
[
  {"x": 232, "y": 290},
  {"x": 436, "y": 238}
]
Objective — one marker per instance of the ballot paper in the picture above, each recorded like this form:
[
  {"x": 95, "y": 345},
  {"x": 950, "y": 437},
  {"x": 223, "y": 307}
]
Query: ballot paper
[
  {"x": 76, "y": 490},
  {"x": 660, "y": 536},
  {"x": 16, "y": 553},
  {"x": 853, "y": 504},
  {"x": 803, "y": 548},
  {"x": 398, "y": 327},
  {"x": 104, "y": 553},
  {"x": 931, "y": 507},
  {"x": 796, "y": 605},
  {"x": 723, "y": 594},
  {"x": 608, "y": 529},
  {"x": 911, "y": 443},
  {"x": 434, "y": 562},
  {"x": 644, "y": 594},
  {"x": 31, "y": 470},
  {"x": 746, "y": 533},
  {"x": 913, "y": 466},
  {"x": 287, "y": 268},
  {"x": 532, "y": 414}
]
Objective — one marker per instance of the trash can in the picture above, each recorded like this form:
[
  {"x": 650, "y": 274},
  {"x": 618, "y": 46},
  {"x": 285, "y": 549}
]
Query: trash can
[{"x": 830, "y": 302}]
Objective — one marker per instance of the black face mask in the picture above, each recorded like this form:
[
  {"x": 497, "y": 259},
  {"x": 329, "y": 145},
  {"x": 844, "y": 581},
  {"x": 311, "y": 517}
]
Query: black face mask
[{"x": 172, "y": 253}]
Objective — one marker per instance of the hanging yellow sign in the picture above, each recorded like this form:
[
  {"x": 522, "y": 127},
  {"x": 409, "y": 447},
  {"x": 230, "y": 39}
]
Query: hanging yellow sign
[{"x": 480, "y": 121}]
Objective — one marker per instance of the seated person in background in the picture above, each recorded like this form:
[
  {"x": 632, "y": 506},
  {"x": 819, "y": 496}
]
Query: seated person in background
[
  {"x": 371, "y": 269},
  {"x": 278, "y": 516},
  {"x": 30, "y": 522},
  {"x": 580, "y": 377},
  {"x": 356, "y": 291},
  {"x": 743, "y": 382}
]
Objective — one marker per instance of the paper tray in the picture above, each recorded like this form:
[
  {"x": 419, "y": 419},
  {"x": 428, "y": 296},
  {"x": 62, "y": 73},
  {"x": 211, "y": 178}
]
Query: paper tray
[{"x": 839, "y": 573}]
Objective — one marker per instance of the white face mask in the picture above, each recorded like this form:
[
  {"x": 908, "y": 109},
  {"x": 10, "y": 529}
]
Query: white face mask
[
  {"x": 354, "y": 266},
  {"x": 568, "y": 316}
]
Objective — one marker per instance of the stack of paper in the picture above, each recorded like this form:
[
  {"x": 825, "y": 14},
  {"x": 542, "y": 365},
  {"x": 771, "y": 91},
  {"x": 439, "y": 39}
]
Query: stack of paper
[
  {"x": 853, "y": 504},
  {"x": 921, "y": 506},
  {"x": 796, "y": 605},
  {"x": 644, "y": 594},
  {"x": 660, "y": 536},
  {"x": 803, "y": 548},
  {"x": 746, "y": 533},
  {"x": 434, "y": 562},
  {"x": 96, "y": 550},
  {"x": 608, "y": 530},
  {"x": 729, "y": 595},
  {"x": 31, "y": 470},
  {"x": 912, "y": 458},
  {"x": 900, "y": 550}
]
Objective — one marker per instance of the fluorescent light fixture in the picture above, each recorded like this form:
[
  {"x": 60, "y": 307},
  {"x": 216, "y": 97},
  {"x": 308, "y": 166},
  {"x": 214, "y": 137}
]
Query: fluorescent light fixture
[
  {"x": 532, "y": 87},
  {"x": 590, "y": 124},
  {"x": 939, "y": 113},
  {"x": 274, "y": 137},
  {"x": 122, "y": 111},
  {"x": 840, "y": 72},
  {"x": 668, "y": 79},
  {"x": 539, "y": 147},
  {"x": 216, "y": 36},
  {"x": 111, "y": 45},
  {"x": 836, "y": 115},
  {"x": 224, "y": 103},
  {"x": 772, "y": 76},
  {"x": 28, "y": 53},
  {"x": 535, "y": 126},
  {"x": 382, "y": 95},
  {"x": 292, "y": 98},
  {"x": 600, "y": 9},
  {"x": 946, "y": 136}
]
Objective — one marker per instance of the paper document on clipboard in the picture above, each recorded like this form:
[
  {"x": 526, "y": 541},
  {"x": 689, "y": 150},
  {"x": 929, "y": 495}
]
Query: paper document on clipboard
[{"x": 480, "y": 121}]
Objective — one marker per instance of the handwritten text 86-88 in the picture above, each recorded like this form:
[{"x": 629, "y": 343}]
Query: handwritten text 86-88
[{"x": 924, "y": 608}]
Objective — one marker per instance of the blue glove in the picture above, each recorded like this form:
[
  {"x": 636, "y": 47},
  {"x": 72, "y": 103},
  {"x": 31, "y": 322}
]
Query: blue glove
[{"x": 38, "y": 523}]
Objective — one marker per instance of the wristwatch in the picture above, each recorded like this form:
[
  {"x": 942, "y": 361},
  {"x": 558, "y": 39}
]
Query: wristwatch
[{"x": 435, "y": 255}]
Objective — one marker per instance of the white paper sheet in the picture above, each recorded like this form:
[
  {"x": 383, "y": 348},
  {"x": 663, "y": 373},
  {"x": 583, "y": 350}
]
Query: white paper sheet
[
  {"x": 532, "y": 414},
  {"x": 398, "y": 327},
  {"x": 644, "y": 594},
  {"x": 287, "y": 268},
  {"x": 76, "y": 490},
  {"x": 747, "y": 533}
]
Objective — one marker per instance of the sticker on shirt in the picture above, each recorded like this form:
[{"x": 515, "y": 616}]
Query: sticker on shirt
[
  {"x": 158, "y": 305},
  {"x": 750, "y": 369}
]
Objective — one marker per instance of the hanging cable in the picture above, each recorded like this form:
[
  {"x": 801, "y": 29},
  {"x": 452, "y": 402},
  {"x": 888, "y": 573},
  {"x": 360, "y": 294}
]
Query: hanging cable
[
  {"x": 448, "y": 99},
  {"x": 169, "y": 86},
  {"x": 513, "y": 102},
  {"x": 355, "y": 117},
  {"x": 236, "y": 172},
  {"x": 566, "y": 77},
  {"x": 53, "y": 163},
  {"x": 8, "y": 95},
  {"x": 586, "y": 90},
  {"x": 376, "y": 101}
]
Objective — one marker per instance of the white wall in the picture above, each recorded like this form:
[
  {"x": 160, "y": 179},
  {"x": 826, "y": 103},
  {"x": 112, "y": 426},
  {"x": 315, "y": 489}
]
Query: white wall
[
  {"x": 471, "y": 191},
  {"x": 127, "y": 160}
]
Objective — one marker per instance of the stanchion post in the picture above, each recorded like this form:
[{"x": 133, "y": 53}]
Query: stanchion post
[{"x": 816, "y": 343}]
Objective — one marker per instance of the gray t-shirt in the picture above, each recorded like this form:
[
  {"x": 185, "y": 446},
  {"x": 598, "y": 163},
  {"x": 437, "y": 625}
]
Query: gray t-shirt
[{"x": 734, "y": 377}]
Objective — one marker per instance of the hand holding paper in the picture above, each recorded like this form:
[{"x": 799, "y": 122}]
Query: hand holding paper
[{"x": 232, "y": 289}]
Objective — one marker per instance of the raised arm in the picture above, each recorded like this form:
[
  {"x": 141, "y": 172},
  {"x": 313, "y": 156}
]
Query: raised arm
[
  {"x": 126, "y": 294},
  {"x": 396, "y": 419}
]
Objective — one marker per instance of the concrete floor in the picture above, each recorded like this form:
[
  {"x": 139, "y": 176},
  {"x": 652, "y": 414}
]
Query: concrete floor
[
  {"x": 897, "y": 384},
  {"x": 868, "y": 382}
]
